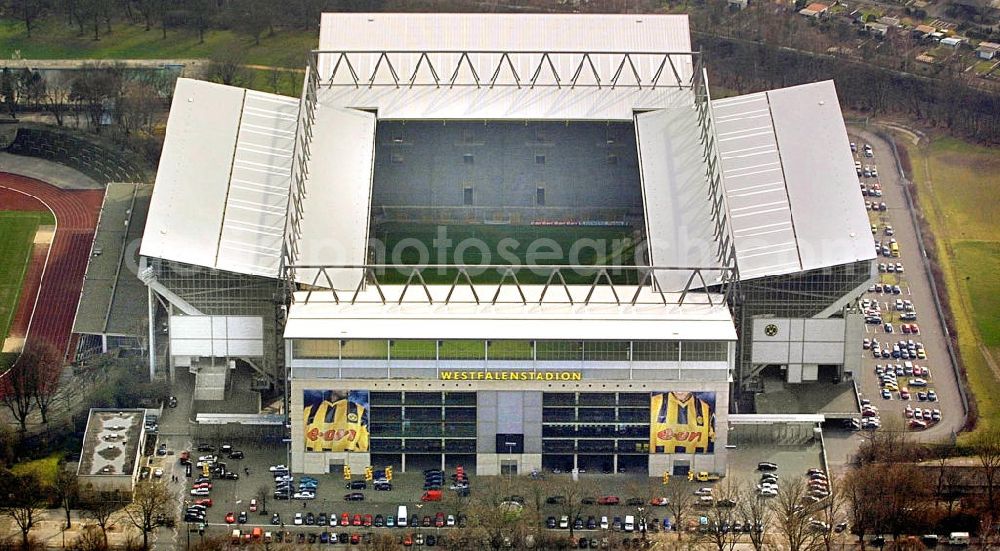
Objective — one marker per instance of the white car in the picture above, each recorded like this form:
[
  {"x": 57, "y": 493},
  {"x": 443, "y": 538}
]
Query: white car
[
  {"x": 768, "y": 492},
  {"x": 208, "y": 458},
  {"x": 450, "y": 521},
  {"x": 158, "y": 473},
  {"x": 564, "y": 522},
  {"x": 276, "y": 468},
  {"x": 284, "y": 478},
  {"x": 303, "y": 495},
  {"x": 604, "y": 523},
  {"x": 201, "y": 492},
  {"x": 298, "y": 519}
]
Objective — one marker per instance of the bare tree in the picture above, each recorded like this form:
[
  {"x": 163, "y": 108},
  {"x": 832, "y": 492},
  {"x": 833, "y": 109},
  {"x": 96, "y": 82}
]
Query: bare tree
[
  {"x": 149, "y": 500},
  {"x": 262, "y": 492},
  {"x": 23, "y": 501},
  {"x": 17, "y": 393},
  {"x": 987, "y": 449},
  {"x": 493, "y": 519},
  {"x": 680, "y": 501},
  {"x": 575, "y": 493},
  {"x": 226, "y": 67},
  {"x": 756, "y": 512},
  {"x": 721, "y": 517},
  {"x": 101, "y": 510},
  {"x": 832, "y": 513},
  {"x": 792, "y": 517},
  {"x": 46, "y": 365},
  {"x": 65, "y": 490}
]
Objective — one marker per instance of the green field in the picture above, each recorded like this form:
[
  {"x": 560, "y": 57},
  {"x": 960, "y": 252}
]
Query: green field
[
  {"x": 17, "y": 231},
  {"x": 54, "y": 39},
  {"x": 956, "y": 189},
  {"x": 407, "y": 243}
]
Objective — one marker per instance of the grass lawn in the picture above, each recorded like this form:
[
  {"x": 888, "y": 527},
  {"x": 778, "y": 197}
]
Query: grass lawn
[
  {"x": 46, "y": 468},
  {"x": 54, "y": 39},
  {"x": 475, "y": 244},
  {"x": 17, "y": 231},
  {"x": 956, "y": 186}
]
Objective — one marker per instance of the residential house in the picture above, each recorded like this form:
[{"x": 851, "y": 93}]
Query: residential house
[{"x": 987, "y": 50}]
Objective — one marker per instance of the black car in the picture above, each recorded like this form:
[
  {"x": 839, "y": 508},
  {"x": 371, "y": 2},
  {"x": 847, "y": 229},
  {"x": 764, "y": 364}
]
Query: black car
[
  {"x": 383, "y": 486},
  {"x": 588, "y": 501},
  {"x": 172, "y": 402},
  {"x": 429, "y": 472},
  {"x": 310, "y": 519},
  {"x": 205, "y": 448},
  {"x": 414, "y": 521},
  {"x": 430, "y": 540},
  {"x": 578, "y": 523},
  {"x": 242, "y": 518},
  {"x": 229, "y": 475},
  {"x": 354, "y": 496},
  {"x": 634, "y": 502},
  {"x": 236, "y": 454},
  {"x": 356, "y": 485},
  {"x": 275, "y": 519},
  {"x": 282, "y": 495},
  {"x": 379, "y": 521},
  {"x": 767, "y": 466},
  {"x": 550, "y": 523},
  {"x": 591, "y": 523},
  {"x": 321, "y": 519},
  {"x": 555, "y": 500}
]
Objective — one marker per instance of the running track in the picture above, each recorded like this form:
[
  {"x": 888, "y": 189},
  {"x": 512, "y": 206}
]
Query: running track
[{"x": 58, "y": 293}]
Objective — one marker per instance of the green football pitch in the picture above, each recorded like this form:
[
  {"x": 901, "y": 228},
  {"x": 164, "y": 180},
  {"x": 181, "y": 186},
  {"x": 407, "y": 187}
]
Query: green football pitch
[
  {"x": 408, "y": 244},
  {"x": 17, "y": 232}
]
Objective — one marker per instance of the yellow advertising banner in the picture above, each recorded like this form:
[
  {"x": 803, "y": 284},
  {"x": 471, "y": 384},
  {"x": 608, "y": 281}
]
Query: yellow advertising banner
[
  {"x": 336, "y": 420},
  {"x": 682, "y": 422}
]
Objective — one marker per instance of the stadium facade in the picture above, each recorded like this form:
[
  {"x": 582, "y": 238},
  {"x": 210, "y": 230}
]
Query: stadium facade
[{"x": 510, "y": 242}]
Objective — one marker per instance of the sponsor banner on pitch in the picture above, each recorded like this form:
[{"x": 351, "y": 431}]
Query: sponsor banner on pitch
[
  {"x": 336, "y": 420},
  {"x": 682, "y": 422}
]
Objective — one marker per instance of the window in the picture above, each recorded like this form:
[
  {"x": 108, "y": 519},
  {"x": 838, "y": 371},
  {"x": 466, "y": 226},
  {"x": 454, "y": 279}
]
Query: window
[
  {"x": 315, "y": 349},
  {"x": 364, "y": 349},
  {"x": 461, "y": 350},
  {"x": 612, "y": 159},
  {"x": 510, "y": 350},
  {"x": 540, "y": 196},
  {"x": 704, "y": 351},
  {"x": 412, "y": 349},
  {"x": 654, "y": 351},
  {"x": 396, "y": 158},
  {"x": 510, "y": 443},
  {"x": 467, "y": 198},
  {"x": 539, "y": 159},
  {"x": 559, "y": 350},
  {"x": 468, "y": 159},
  {"x": 606, "y": 351}
]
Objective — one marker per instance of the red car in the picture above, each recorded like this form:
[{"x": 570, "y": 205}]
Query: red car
[
  {"x": 357, "y": 520},
  {"x": 230, "y": 517},
  {"x": 345, "y": 519},
  {"x": 207, "y": 502},
  {"x": 355, "y": 539},
  {"x": 253, "y": 505},
  {"x": 408, "y": 540},
  {"x": 368, "y": 520},
  {"x": 439, "y": 520},
  {"x": 608, "y": 500},
  {"x": 205, "y": 485}
]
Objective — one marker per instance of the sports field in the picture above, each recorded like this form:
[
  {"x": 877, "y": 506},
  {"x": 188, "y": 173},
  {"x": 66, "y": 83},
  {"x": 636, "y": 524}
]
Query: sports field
[
  {"x": 407, "y": 243},
  {"x": 17, "y": 231},
  {"x": 956, "y": 189}
]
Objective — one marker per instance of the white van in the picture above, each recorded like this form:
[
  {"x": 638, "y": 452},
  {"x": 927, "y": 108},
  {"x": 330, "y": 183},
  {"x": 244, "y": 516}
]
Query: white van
[
  {"x": 958, "y": 538},
  {"x": 401, "y": 516},
  {"x": 629, "y": 523}
]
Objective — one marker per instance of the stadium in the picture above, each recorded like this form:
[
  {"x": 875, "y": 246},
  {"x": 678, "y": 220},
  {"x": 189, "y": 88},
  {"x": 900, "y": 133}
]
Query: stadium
[{"x": 508, "y": 242}]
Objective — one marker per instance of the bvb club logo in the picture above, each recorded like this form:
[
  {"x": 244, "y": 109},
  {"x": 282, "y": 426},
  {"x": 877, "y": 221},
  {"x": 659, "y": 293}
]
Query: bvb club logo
[
  {"x": 771, "y": 330},
  {"x": 352, "y": 417}
]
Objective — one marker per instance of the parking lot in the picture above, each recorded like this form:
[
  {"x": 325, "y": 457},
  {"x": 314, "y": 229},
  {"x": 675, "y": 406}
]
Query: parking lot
[{"x": 902, "y": 293}]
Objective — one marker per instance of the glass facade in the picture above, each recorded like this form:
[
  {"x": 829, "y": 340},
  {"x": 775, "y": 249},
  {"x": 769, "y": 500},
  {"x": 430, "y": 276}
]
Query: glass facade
[
  {"x": 415, "y": 422},
  {"x": 597, "y": 427},
  {"x": 799, "y": 295}
]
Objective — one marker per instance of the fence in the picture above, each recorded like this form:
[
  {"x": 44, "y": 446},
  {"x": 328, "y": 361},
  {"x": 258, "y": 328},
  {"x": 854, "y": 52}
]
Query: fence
[{"x": 100, "y": 163}]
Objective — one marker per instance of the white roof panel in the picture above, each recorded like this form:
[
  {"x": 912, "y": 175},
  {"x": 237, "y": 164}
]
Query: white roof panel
[
  {"x": 760, "y": 214},
  {"x": 254, "y": 223},
  {"x": 186, "y": 210},
  {"x": 221, "y": 191},
  {"x": 831, "y": 224},
  {"x": 415, "y": 318},
  {"x": 680, "y": 230},
  {"x": 338, "y": 199},
  {"x": 412, "y": 60}
]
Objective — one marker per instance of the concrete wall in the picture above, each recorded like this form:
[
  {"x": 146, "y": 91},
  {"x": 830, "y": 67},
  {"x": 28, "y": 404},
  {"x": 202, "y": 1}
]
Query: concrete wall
[{"x": 802, "y": 344}]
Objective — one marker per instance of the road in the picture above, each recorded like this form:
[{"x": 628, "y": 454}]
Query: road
[{"x": 916, "y": 287}]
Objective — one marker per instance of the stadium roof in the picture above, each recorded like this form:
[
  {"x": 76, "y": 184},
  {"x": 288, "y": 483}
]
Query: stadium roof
[
  {"x": 790, "y": 182},
  {"x": 504, "y": 66},
  {"x": 222, "y": 184},
  {"x": 414, "y": 317}
]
